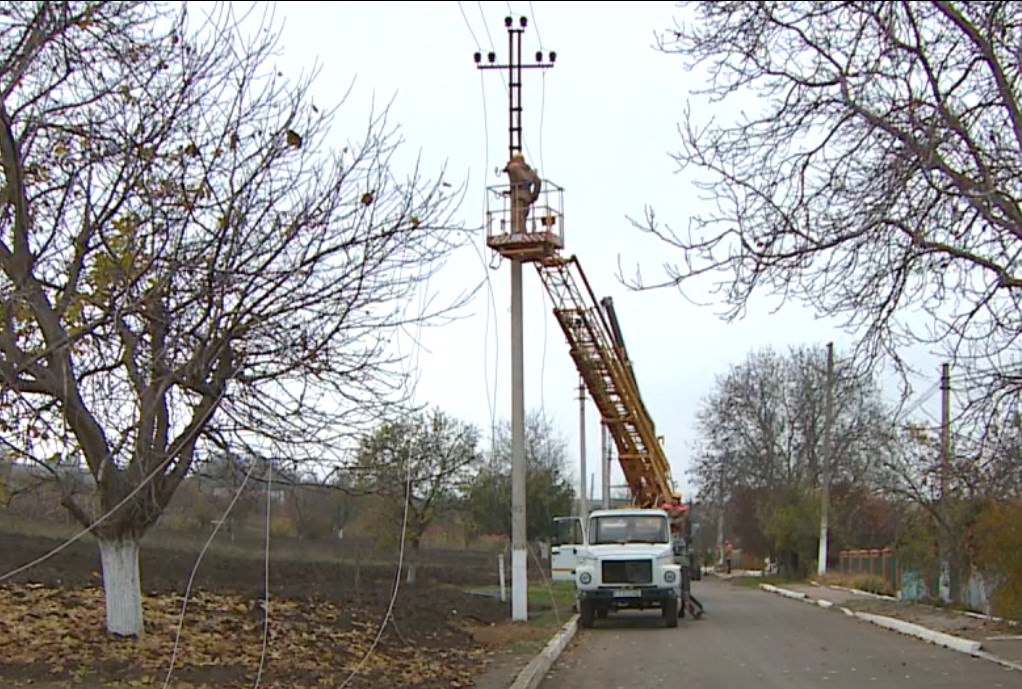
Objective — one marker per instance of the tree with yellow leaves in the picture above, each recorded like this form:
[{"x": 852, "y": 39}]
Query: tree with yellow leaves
[{"x": 184, "y": 266}]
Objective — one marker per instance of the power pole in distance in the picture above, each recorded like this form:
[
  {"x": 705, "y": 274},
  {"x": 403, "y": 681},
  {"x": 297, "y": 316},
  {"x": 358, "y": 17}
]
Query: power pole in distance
[{"x": 828, "y": 423}]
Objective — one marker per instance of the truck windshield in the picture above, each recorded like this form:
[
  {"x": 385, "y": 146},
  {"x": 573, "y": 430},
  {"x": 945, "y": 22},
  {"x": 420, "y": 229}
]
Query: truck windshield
[{"x": 628, "y": 529}]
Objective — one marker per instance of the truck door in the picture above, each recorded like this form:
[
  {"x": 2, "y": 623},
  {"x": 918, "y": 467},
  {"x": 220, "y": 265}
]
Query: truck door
[{"x": 568, "y": 538}]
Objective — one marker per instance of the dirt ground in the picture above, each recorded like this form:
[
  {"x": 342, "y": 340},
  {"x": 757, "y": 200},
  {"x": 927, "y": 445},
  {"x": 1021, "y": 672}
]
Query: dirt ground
[{"x": 321, "y": 629}]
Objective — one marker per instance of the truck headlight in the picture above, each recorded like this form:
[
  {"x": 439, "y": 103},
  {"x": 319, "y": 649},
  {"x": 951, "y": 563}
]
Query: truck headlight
[
  {"x": 585, "y": 577},
  {"x": 670, "y": 576}
]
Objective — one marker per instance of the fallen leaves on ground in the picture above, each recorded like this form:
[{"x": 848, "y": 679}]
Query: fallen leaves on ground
[{"x": 308, "y": 644}]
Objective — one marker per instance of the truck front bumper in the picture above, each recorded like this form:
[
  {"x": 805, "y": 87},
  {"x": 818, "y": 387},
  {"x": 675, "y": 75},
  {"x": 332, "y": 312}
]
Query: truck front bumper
[{"x": 628, "y": 598}]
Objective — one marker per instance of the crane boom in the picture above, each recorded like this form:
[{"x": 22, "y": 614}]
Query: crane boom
[{"x": 597, "y": 348}]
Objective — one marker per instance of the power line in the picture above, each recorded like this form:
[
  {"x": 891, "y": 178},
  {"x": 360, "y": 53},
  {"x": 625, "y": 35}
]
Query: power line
[
  {"x": 542, "y": 102},
  {"x": 266, "y": 576},
  {"x": 195, "y": 568},
  {"x": 535, "y": 24},
  {"x": 490, "y": 398},
  {"x": 542, "y": 115},
  {"x": 397, "y": 578},
  {"x": 923, "y": 398},
  {"x": 542, "y": 361},
  {"x": 493, "y": 47},
  {"x": 469, "y": 25},
  {"x": 127, "y": 498},
  {"x": 489, "y": 36},
  {"x": 491, "y": 401}
]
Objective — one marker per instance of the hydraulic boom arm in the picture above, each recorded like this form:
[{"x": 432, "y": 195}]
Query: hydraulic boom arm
[{"x": 597, "y": 347}]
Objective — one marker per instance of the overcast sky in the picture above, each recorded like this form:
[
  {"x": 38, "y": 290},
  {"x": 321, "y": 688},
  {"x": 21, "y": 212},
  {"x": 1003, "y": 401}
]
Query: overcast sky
[{"x": 601, "y": 124}]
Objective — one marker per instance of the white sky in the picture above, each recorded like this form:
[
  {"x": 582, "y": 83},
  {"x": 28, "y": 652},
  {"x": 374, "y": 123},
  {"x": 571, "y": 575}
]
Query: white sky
[{"x": 609, "y": 118}]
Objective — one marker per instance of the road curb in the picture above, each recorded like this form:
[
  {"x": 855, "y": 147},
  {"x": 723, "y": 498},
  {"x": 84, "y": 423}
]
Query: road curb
[
  {"x": 954, "y": 643},
  {"x": 532, "y": 675},
  {"x": 783, "y": 592}
]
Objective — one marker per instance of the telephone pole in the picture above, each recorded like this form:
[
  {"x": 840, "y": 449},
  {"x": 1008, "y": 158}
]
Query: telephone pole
[
  {"x": 720, "y": 511},
  {"x": 945, "y": 469},
  {"x": 605, "y": 458},
  {"x": 519, "y": 546},
  {"x": 583, "y": 498},
  {"x": 828, "y": 423}
]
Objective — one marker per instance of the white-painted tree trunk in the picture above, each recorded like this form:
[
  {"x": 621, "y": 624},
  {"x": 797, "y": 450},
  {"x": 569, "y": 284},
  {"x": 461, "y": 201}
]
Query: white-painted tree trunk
[
  {"x": 121, "y": 586},
  {"x": 944, "y": 580}
]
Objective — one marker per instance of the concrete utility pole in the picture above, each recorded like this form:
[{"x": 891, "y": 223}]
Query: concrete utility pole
[
  {"x": 720, "y": 512},
  {"x": 519, "y": 546},
  {"x": 605, "y": 459},
  {"x": 945, "y": 468},
  {"x": 828, "y": 424},
  {"x": 583, "y": 498}
]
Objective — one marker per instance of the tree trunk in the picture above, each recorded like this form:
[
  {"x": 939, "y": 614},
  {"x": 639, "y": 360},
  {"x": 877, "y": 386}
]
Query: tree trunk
[
  {"x": 944, "y": 576},
  {"x": 122, "y": 586},
  {"x": 6, "y": 470},
  {"x": 413, "y": 561}
]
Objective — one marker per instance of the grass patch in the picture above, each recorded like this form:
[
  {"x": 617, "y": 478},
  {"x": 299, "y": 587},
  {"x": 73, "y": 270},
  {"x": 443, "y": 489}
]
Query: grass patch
[
  {"x": 754, "y": 582},
  {"x": 548, "y": 596},
  {"x": 860, "y": 581}
]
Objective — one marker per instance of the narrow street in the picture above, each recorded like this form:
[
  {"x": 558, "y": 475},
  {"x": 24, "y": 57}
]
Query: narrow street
[{"x": 750, "y": 638}]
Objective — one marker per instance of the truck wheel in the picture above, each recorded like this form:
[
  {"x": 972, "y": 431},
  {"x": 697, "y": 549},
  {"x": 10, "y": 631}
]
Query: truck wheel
[
  {"x": 670, "y": 612},
  {"x": 586, "y": 609}
]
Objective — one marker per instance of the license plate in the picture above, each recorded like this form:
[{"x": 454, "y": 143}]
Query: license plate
[{"x": 627, "y": 593}]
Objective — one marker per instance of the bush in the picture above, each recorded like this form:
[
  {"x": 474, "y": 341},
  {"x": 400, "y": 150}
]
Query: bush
[
  {"x": 281, "y": 526},
  {"x": 997, "y": 539},
  {"x": 871, "y": 584}
]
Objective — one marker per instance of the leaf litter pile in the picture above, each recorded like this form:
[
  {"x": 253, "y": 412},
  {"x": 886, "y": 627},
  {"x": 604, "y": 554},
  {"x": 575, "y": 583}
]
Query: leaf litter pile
[{"x": 54, "y": 632}]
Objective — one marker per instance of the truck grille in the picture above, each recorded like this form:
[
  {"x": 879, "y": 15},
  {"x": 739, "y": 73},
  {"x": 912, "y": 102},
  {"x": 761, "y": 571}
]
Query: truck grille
[{"x": 627, "y": 571}]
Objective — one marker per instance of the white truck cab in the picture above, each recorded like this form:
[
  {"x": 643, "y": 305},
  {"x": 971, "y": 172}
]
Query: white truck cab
[{"x": 622, "y": 558}]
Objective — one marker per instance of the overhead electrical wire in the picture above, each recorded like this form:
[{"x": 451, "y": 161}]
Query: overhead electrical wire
[
  {"x": 397, "y": 579},
  {"x": 921, "y": 400},
  {"x": 217, "y": 525},
  {"x": 491, "y": 394},
  {"x": 266, "y": 577},
  {"x": 493, "y": 47},
  {"x": 542, "y": 166},
  {"x": 157, "y": 470}
]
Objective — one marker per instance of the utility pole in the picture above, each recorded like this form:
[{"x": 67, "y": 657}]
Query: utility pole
[
  {"x": 519, "y": 545},
  {"x": 720, "y": 512},
  {"x": 828, "y": 424},
  {"x": 583, "y": 498},
  {"x": 945, "y": 468},
  {"x": 605, "y": 458}
]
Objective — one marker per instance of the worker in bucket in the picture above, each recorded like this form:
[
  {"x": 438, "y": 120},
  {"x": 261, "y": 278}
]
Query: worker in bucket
[{"x": 525, "y": 188}]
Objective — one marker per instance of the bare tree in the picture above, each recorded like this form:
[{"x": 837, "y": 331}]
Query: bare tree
[
  {"x": 184, "y": 261},
  {"x": 866, "y": 161},
  {"x": 765, "y": 420},
  {"x": 761, "y": 433}
]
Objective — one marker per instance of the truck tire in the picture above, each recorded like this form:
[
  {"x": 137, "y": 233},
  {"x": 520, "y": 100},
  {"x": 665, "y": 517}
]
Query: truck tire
[
  {"x": 670, "y": 611},
  {"x": 586, "y": 612}
]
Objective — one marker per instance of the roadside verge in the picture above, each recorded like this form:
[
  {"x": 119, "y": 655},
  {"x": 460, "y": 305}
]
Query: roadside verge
[
  {"x": 533, "y": 673},
  {"x": 950, "y": 641}
]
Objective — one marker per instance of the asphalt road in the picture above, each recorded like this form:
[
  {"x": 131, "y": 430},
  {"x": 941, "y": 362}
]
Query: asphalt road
[{"x": 751, "y": 639}]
